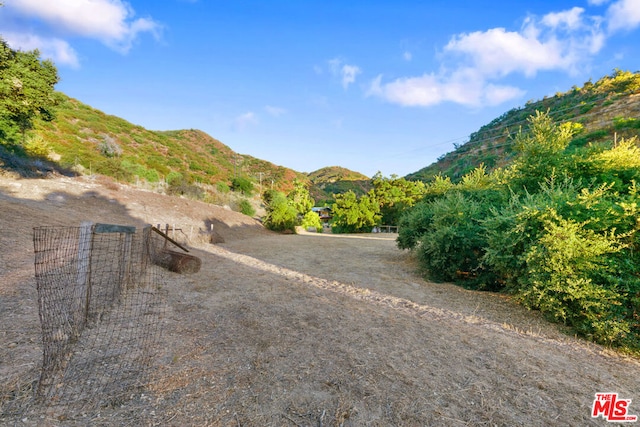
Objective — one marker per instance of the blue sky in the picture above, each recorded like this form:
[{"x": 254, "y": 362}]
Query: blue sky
[{"x": 370, "y": 85}]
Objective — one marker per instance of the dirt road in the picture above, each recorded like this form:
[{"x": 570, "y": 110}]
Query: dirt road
[{"x": 304, "y": 330}]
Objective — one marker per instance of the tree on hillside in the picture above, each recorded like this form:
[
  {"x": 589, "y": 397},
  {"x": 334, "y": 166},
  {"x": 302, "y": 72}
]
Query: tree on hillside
[
  {"x": 395, "y": 195},
  {"x": 26, "y": 87},
  {"x": 541, "y": 151}
]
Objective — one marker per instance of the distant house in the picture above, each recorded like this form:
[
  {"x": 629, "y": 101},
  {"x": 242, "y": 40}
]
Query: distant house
[{"x": 324, "y": 213}]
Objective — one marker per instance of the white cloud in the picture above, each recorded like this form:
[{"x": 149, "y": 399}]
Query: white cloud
[
  {"x": 473, "y": 63},
  {"x": 464, "y": 87},
  {"x": 623, "y": 15},
  {"x": 56, "y": 49},
  {"x": 498, "y": 52},
  {"x": 275, "y": 111},
  {"x": 407, "y": 56},
  {"x": 109, "y": 21},
  {"x": 245, "y": 120},
  {"x": 346, "y": 72},
  {"x": 571, "y": 18},
  {"x": 349, "y": 73}
]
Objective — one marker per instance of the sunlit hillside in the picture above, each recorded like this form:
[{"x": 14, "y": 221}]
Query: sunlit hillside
[{"x": 608, "y": 109}]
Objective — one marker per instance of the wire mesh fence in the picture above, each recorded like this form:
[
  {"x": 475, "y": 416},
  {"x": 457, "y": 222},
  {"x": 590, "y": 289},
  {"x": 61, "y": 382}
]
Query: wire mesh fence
[{"x": 100, "y": 303}]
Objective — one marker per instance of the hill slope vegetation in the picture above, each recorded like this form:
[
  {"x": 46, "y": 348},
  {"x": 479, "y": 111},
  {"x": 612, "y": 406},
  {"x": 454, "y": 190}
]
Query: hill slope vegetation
[{"x": 607, "y": 109}]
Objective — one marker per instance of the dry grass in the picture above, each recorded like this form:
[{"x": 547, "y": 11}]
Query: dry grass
[{"x": 304, "y": 330}]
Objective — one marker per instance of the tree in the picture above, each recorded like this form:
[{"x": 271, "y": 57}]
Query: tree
[
  {"x": 353, "y": 215},
  {"x": 541, "y": 150},
  {"x": 26, "y": 87},
  {"x": 281, "y": 215},
  {"x": 395, "y": 195},
  {"x": 299, "y": 198}
]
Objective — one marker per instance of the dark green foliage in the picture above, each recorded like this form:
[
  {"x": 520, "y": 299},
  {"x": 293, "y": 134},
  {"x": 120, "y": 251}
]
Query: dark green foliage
[
  {"x": 26, "y": 87},
  {"x": 246, "y": 207},
  {"x": 242, "y": 185},
  {"x": 559, "y": 229},
  {"x": 452, "y": 246},
  {"x": 395, "y": 195},
  {"x": 413, "y": 224}
]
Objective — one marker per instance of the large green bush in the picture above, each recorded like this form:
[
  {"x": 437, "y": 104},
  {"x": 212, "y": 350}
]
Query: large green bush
[
  {"x": 355, "y": 215},
  {"x": 281, "y": 215},
  {"x": 559, "y": 230}
]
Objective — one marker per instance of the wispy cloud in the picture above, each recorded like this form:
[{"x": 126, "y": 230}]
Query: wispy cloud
[
  {"x": 112, "y": 22},
  {"x": 346, "y": 72},
  {"x": 275, "y": 111},
  {"x": 474, "y": 64},
  {"x": 49, "y": 47},
  {"x": 245, "y": 120},
  {"x": 623, "y": 15}
]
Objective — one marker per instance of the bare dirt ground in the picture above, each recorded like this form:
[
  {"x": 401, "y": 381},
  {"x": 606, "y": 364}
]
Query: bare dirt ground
[{"x": 301, "y": 330}]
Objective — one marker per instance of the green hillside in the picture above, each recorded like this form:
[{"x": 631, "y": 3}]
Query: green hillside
[
  {"x": 326, "y": 182},
  {"x": 86, "y": 140},
  {"x": 608, "y": 109}
]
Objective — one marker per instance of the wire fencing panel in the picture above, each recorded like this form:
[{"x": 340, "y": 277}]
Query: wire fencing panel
[{"x": 100, "y": 304}]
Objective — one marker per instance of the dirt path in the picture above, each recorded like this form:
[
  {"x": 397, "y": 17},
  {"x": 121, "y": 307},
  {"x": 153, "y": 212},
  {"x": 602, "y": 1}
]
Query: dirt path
[{"x": 308, "y": 330}]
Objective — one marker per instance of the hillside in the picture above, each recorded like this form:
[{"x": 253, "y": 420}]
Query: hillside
[
  {"x": 332, "y": 180},
  {"x": 607, "y": 109},
  {"x": 85, "y": 140}
]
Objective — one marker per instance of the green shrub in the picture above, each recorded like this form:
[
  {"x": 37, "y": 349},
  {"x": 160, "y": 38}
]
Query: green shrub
[
  {"x": 174, "y": 178},
  {"x": 453, "y": 246},
  {"x": 626, "y": 123},
  {"x": 566, "y": 241},
  {"x": 413, "y": 224},
  {"x": 281, "y": 215},
  {"x": 567, "y": 271},
  {"x": 222, "y": 187},
  {"x": 355, "y": 215},
  {"x": 242, "y": 185},
  {"x": 246, "y": 207},
  {"x": 36, "y": 146},
  {"x": 311, "y": 220}
]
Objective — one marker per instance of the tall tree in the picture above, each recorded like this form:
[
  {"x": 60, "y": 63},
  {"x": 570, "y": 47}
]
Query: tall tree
[
  {"x": 395, "y": 195},
  {"x": 355, "y": 215},
  {"x": 299, "y": 197},
  {"x": 26, "y": 87}
]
